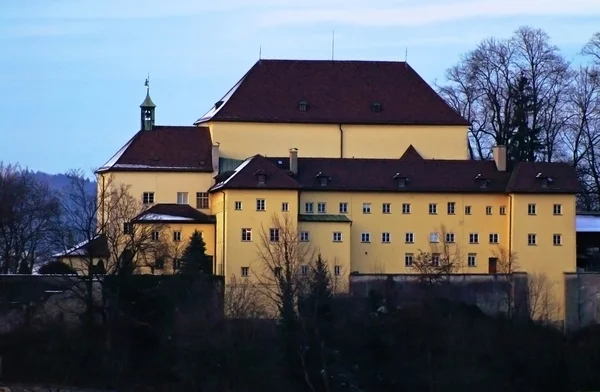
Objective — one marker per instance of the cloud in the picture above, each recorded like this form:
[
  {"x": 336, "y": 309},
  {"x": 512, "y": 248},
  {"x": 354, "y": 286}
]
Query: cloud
[{"x": 424, "y": 14}]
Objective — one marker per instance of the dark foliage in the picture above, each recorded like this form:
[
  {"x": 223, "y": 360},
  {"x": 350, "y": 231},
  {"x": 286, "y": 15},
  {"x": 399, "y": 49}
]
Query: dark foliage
[
  {"x": 435, "y": 346},
  {"x": 194, "y": 256},
  {"x": 56, "y": 267}
]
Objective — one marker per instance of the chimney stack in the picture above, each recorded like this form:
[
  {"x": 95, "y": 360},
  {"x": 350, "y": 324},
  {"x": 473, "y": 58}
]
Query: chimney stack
[
  {"x": 294, "y": 160},
  {"x": 215, "y": 157},
  {"x": 500, "y": 157}
]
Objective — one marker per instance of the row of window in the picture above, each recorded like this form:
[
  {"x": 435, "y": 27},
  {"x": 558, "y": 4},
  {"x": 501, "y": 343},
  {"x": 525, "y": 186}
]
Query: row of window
[
  {"x": 386, "y": 208},
  {"x": 409, "y": 238},
  {"x": 202, "y": 200},
  {"x": 436, "y": 259},
  {"x": 304, "y": 270}
]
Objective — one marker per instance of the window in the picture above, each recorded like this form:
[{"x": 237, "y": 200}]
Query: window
[
  {"x": 557, "y": 239},
  {"x": 202, "y": 200},
  {"x": 366, "y": 208},
  {"x": 274, "y": 235},
  {"x": 386, "y": 208},
  {"x": 531, "y": 239},
  {"x": 277, "y": 272},
  {"x": 432, "y": 208},
  {"x": 493, "y": 238},
  {"x": 408, "y": 259},
  {"x": 435, "y": 259},
  {"x": 557, "y": 209},
  {"x": 467, "y": 210},
  {"x": 155, "y": 236},
  {"x": 449, "y": 237},
  {"x": 177, "y": 236},
  {"x": 406, "y": 208},
  {"x": 385, "y": 237},
  {"x": 238, "y": 205},
  {"x": 285, "y": 206},
  {"x": 182, "y": 198},
  {"x": 260, "y": 204},
  {"x": 321, "y": 207},
  {"x": 148, "y": 197},
  {"x": 488, "y": 210},
  {"x": 337, "y": 236},
  {"x": 451, "y": 207},
  {"x": 304, "y": 236},
  {"x": 531, "y": 209},
  {"x": 409, "y": 238},
  {"x": 502, "y": 210},
  {"x": 245, "y": 271},
  {"x": 309, "y": 208},
  {"x": 343, "y": 208},
  {"x": 434, "y": 237},
  {"x": 246, "y": 235},
  {"x": 473, "y": 238},
  {"x": 365, "y": 237},
  {"x": 472, "y": 259},
  {"x": 304, "y": 269},
  {"x": 127, "y": 228},
  {"x": 337, "y": 270},
  {"x": 159, "y": 263},
  {"x": 177, "y": 264}
]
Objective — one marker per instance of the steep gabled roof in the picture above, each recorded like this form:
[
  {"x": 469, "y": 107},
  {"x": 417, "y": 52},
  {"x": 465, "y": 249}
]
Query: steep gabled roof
[
  {"x": 165, "y": 148},
  {"x": 411, "y": 154},
  {"x": 334, "y": 92},
  {"x": 246, "y": 176},
  {"x": 96, "y": 247},
  {"x": 173, "y": 213}
]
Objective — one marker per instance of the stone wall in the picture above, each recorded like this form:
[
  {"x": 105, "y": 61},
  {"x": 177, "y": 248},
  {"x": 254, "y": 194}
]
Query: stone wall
[
  {"x": 491, "y": 293},
  {"x": 582, "y": 299}
]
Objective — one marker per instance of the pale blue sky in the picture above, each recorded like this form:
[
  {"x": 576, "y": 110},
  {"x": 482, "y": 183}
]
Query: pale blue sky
[{"x": 72, "y": 71}]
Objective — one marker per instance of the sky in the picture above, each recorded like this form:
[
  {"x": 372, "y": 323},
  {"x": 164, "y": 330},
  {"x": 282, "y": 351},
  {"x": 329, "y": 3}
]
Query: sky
[{"x": 72, "y": 72}]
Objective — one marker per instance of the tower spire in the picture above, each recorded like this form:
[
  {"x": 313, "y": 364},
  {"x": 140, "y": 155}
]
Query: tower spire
[{"x": 147, "y": 109}]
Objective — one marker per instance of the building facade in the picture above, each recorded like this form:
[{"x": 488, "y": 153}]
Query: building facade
[{"x": 364, "y": 160}]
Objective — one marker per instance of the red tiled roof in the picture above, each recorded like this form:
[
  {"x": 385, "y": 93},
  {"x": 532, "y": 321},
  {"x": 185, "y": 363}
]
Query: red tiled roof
[
  {"x": 423, "y": 175},
  {"x": 165, "y": 148},
  {"x": 528, "y": 177},
  {"x": 173, "y": 213},
  {"x": 336, "y": 92}
]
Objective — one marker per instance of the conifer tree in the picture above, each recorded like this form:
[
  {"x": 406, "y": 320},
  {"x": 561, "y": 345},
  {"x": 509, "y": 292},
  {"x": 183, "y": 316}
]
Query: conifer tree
[{"x": 194, "y": 258}]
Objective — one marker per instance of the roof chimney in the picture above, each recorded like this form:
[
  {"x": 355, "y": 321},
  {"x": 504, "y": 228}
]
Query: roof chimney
[
  {"x": 294, "y": 160},
  {"x": 500, "y": 157},
  {"x": 215, "y": 157}
]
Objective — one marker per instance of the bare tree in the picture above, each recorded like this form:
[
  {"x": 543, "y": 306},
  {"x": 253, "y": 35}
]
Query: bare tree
[
  {"x": 444, "y": 259},
  {"x": 243, "y": 300},
  {"x": 507, "y": 264},
  {"x": 592, "y": 48},
  {"x": 28, "y": 209},
  {"x": 542, "y": 304},
  {"x": 281, "y": 255}
]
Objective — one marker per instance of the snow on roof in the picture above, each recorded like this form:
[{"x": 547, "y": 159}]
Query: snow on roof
[
  {"x": 132, "y": 166},
  {"x": 111, "y": 162},
  {"x": 163, "y": 217},
  {"x": 587, "y": 223},
  {"x": 76, "y": 250},
  {"x": 236, "y": 171},
  {"x": 215, "y": 109}
]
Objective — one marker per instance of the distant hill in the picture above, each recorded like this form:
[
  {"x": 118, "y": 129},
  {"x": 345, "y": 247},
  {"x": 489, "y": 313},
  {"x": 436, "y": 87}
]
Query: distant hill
[{"x": 59, "y": 181}]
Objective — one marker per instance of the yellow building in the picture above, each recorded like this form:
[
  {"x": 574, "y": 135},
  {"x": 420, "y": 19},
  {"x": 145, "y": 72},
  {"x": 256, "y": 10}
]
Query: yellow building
[{"x": 383, "y": 174}]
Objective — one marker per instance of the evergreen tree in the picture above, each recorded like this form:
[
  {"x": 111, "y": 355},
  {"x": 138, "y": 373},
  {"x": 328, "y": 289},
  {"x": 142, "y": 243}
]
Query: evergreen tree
[
  {"x": 194, "y": 258},
  {"x": 524, "y": 141}
]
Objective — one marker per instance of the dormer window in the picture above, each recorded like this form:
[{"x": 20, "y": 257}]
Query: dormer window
[
  {"x": 322, "y": 178},
  {"x": 303, "y": 106},
  {"x": 482, "y": 181},
  {"x": 544, "y": 180},
  {"x": 376, "y": 107},
  {"x": 401, "y": 180},
  {"x": 261, "y": 177},
  {"x": 218, "y": 104}
]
